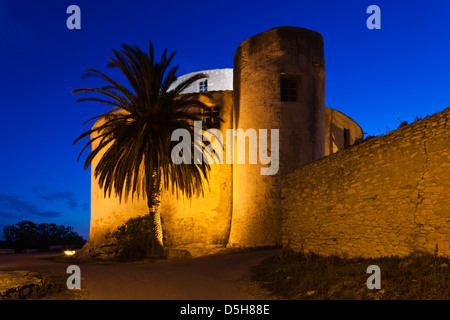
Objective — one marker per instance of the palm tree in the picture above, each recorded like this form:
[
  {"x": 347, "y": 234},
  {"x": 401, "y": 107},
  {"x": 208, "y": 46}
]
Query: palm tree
[{"x": 135, "y": 134}]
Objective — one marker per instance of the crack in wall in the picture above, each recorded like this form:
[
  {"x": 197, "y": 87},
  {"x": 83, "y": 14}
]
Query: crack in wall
[{"x": 420, "y": 197}]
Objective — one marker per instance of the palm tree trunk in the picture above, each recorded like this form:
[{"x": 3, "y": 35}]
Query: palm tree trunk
[{"x": 154, "y": 205}]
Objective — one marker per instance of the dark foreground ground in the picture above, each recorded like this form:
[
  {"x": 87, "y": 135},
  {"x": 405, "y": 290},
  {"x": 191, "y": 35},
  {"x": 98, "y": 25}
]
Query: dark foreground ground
[
  {"x": 218, "y": 277},
  {"x": 261, "y": 274},
  {"x": 299, "y": 276}
]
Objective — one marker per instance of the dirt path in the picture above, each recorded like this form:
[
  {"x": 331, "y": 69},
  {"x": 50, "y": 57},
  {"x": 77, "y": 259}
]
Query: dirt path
[{"x": 208, "y": 278}]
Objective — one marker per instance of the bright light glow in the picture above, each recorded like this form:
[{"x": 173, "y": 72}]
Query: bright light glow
[{"x": 69, "y": 252}]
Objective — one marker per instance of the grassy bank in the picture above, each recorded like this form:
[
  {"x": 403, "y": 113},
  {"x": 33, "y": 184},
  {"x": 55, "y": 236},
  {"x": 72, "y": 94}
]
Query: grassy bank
[{"x": 290, "y": 275}]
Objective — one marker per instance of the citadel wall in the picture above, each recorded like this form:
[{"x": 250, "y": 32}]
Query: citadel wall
[
  {"x": 204, "y": 220},
  {"x": 199, "y": 220},
  {"x": 279, "y": 83},
  {"x": 340, "y": 131},
  {"x": 387, "y": 196},
  {"x": 240, "y": 206},
  {"x": 108, "y": 213}
]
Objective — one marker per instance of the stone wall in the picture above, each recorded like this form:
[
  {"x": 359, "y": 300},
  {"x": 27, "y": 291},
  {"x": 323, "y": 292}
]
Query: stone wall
[
  {"x": 389, "y": 195},
  {"x": 200, "y": 220},
  {"x": 206, "y": 219},
  {"x": 240, "y": 206},
  {"x": 335, "y": 125},
  {"x": 280, "y": 57}
]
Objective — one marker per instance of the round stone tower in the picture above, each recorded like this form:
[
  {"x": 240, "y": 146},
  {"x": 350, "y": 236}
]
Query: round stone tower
[{"x": 279, "y": 83}]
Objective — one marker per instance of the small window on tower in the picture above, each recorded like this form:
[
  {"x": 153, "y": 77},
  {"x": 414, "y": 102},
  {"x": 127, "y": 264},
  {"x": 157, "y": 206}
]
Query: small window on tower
[
  {"x": 203, "y": 86},
  {"x": 289, "y": 88},
  {"x": 210, "y": 117}
]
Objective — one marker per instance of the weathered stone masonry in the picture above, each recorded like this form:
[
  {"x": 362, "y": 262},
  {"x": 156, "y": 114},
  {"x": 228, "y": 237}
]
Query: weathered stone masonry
[
  {"x": 387, "y": 196},
  {"x": 240, "y": 206}
]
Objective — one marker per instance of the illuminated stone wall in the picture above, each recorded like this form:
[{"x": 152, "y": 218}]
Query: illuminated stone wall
[
  {"x": 240, "y": 206},
  {"x": 108, "y": 213},
  {"x": 335, "y": 125},
  {"x": 204, "y": 220},
  {"x": 387, "y": 196},
  {"x": 261, "y": 63}
]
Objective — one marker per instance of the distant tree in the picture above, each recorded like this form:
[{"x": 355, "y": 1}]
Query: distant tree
[
  {"x": 28, "y": 235},
  {"x": 22, "y": 235},
  {"x": 135, "y": 135}
]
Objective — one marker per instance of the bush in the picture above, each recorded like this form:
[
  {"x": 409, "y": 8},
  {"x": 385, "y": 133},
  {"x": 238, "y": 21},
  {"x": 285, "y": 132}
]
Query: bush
[
  {"x": 403, "y": 123},
  {"x": 361, "y": 140},
  {"x": 133, "y": 238}
]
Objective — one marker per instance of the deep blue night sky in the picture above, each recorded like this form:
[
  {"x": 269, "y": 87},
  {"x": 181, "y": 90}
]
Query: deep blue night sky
[{"x": 374, "y": 76}]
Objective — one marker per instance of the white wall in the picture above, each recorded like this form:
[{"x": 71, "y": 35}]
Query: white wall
[{"x": 218, "y": 80}]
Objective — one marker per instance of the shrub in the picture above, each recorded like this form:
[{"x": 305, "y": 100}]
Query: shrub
[
  {"x": 361, "y": 140},
  {"x": 133, "y": 238},
  {"x": 403, "y": 123}
]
